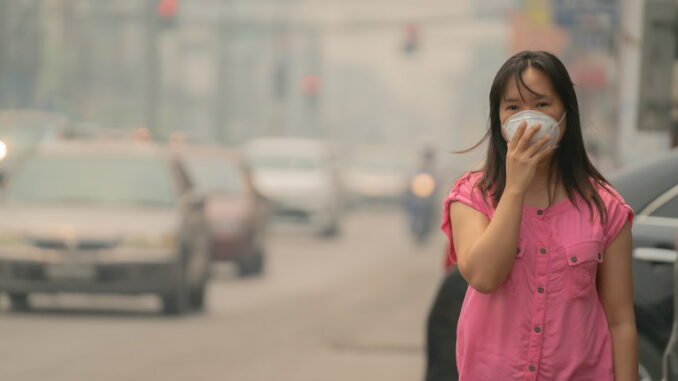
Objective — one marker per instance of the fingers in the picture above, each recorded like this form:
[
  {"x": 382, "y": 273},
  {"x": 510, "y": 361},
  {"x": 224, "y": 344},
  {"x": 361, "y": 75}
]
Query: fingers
[
  {"x": 539, "y": 156},
  {"x": 537, "y": 146},
  {"x": 520, "y": 131},
  {"x": 524, "y": 142}
]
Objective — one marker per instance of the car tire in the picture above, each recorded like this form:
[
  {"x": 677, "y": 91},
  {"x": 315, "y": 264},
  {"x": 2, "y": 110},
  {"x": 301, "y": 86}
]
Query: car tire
[
  {"x": 176, "y": 301},
  {"x": 252, "y": 265},
  {"x": 330, "y": 231},
  {"x": 19, "y": 301},
  {"x": 197, "y": 298},
  {"x": 649, "y": 360}
]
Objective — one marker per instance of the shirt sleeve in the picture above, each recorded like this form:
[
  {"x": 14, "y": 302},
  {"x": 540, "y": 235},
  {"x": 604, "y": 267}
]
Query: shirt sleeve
[
  {"x": 618, "y": 213},
  {"x": 463, "y": 190}
]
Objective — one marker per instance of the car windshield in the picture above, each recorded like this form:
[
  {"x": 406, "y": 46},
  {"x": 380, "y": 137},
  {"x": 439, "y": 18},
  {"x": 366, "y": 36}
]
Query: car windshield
[
  {"x": 216, "y": 175},
  {"x": 98, "y": 180},
  {"x": 379, "y": 163},
  {"x": 282, "y": 162}
]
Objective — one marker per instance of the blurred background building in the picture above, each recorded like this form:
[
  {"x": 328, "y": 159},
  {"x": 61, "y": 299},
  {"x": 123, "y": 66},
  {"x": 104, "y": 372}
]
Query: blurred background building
[{"x": 355, "y": 71}]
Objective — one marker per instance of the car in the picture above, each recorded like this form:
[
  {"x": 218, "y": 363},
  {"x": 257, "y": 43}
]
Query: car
[
  {"x": 22, "y": 130},
  {"x": 377, "y": 174},
  {"x": 236, "y": 213},
  {"x": 299, "y": 176},
  {"x": 103, "y": 217},
  {"x": 651, "y": 189},
  {"x": 670, "y": 358}
]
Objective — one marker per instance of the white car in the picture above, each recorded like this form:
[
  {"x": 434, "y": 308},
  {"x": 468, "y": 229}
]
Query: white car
[
  {"x": 377, "y": 173},
  {"x": 299, "y": 177}
]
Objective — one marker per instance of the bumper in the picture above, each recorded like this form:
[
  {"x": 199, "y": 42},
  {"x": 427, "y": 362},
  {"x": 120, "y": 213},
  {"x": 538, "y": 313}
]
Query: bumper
[
  {"x": 231, "y": 247},
  {"x": 111, "y": 278}
]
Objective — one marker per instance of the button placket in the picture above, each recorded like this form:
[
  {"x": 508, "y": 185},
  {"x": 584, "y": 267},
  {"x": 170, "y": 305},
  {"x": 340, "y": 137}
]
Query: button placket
[{"x": 538, "y": 311}]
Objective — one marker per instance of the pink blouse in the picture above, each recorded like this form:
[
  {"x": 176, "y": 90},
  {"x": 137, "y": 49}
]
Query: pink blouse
[{"x": 546, "y": 321}]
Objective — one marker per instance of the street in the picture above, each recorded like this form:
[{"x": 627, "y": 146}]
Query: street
[{"x": 353, "y": 308}]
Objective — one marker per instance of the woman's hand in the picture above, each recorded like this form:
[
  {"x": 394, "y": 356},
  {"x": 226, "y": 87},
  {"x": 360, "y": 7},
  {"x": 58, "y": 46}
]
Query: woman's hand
[{"x": 523, "y": 157}]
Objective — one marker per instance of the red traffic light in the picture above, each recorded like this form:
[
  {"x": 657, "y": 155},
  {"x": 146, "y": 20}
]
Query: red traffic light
[
  {"x": 168, "y": 8},
  {"x": 311, "y": 84}
]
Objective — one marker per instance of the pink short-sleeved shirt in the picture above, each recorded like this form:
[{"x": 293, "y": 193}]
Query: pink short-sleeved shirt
[{"x": 546, "y": 321}]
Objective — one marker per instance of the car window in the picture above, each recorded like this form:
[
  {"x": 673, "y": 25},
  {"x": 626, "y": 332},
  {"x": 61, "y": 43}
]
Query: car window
[
  {"x": 287, "y": 162},
  {"x": 669, "y": 209},
  {"x": 92, "y": 180},
  {"x": 216, "y": 175}
]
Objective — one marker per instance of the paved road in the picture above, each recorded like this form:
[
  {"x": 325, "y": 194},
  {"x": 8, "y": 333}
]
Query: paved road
[{"x": 346, "y": 309}]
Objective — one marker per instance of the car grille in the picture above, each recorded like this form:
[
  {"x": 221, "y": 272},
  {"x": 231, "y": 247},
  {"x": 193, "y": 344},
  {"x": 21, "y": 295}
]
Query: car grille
[{"x": 62, "y": 244}]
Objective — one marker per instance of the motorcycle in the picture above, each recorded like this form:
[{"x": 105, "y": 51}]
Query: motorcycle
[{"x": 421, "y": 206}]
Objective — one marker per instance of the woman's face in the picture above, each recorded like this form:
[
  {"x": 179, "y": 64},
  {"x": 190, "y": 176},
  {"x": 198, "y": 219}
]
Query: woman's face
[{"x": 545, "y": 100}]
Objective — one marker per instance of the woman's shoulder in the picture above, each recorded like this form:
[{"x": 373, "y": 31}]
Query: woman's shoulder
[
  {"x": 608, "y": 195},
  {"x": 470, "y": 178},
  {"x": 465, "y": 188}
]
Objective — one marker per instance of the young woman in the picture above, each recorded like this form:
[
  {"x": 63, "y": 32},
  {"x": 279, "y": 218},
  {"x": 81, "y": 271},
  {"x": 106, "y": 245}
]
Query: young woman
[{"x": 543, "y": 241}]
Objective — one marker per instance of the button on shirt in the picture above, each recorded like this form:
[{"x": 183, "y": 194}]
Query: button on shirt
[{"x": 546, "y": 321}]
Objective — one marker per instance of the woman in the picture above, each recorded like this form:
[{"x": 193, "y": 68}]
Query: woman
[{"x": 543, "y": 241}]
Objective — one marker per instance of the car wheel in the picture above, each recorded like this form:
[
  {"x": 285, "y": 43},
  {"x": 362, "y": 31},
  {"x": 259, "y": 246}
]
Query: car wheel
[
  {"x": 19, "y": 301},
  {"x": 649, "y": 360},
  {"x": 176, "y": 301},
  {"x": 253, "y": 265},
  {"x": 197, "y": 298},
  {"x": 330, "y": 231}
]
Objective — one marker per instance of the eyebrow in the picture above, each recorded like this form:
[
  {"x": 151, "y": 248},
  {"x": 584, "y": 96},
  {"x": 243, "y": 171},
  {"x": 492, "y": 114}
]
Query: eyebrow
[{"x": 536, "y": 95}]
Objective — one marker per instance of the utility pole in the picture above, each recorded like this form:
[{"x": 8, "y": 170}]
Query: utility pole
[
  {"x": 3, "y": 48},
  {"x": 152, "y": 68}
]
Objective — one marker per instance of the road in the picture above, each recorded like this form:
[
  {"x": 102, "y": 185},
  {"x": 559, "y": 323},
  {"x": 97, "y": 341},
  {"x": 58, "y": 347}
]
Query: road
[{"x": 352, "y": 308}]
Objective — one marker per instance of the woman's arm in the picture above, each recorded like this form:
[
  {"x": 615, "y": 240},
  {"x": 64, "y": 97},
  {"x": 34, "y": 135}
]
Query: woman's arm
[
  {"x": 615, "y": 289},
  {"x": 486, "y": 249}
]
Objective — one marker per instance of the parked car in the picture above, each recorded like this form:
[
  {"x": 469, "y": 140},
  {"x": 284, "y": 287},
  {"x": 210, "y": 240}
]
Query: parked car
[
  {"x": 670, "y": 359},
  {"x": 103, "y": 217},
  {"x": 23, "y": 130},
  {"x": 300, "y": 178},
  {"x": 236, "y": 213},
  {"x": 651, "y": 189}
]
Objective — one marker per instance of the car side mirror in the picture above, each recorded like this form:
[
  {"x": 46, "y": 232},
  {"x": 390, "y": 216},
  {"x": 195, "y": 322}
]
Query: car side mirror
[{"x": 653, "y": 254}]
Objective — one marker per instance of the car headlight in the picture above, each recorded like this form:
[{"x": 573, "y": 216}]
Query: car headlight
[
  {"x": 3, "y": 150},
  {"x": 423, "y": 185},
  {"x": 149, "y": 241}
]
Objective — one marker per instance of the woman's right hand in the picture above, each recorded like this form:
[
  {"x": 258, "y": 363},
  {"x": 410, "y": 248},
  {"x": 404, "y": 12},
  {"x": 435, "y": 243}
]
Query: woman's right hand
[{"x": 522, "y": 157}]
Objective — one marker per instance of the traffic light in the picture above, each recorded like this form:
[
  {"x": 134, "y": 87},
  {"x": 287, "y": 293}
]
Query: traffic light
[
  {"x": 411, "y": 39},
  {"x": 310, "y": 86},
  {"x": 167, "y": 13}
]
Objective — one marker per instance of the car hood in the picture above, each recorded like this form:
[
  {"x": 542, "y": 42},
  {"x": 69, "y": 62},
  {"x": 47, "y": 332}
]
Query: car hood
[
  {"x": 228, "y": 207},
  {"x": 87, "y": 222}
]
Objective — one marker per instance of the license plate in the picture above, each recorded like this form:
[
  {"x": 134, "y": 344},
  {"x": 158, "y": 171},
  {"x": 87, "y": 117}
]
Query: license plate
[{"x": 71, "y": 271}]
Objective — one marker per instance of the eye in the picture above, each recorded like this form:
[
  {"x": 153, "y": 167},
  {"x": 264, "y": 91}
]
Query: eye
[
  {"x": 511, "y": 108},
  {"x": 542, "y": 104}
]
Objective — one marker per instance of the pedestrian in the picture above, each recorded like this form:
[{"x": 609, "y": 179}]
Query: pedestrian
[{"x": 543, "y": 241}]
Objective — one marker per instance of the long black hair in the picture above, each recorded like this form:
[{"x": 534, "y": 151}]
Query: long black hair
[{"x": 570, "y": 160}]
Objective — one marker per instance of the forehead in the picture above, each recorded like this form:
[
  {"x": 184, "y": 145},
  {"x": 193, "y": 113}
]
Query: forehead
[{"x": 535, "y": 80}]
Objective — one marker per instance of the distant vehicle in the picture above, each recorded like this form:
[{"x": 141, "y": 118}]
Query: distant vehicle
[
  {"x": 376, "y": 174},
  {"x": 670, "y": 359},
  {"x": 236, "y": 213},
  {"x": 95, "y": 217},
  {"x": 651, "y": 189},
  {"x": 23, "y": 130},
  {"x": 300, "y": 178}
]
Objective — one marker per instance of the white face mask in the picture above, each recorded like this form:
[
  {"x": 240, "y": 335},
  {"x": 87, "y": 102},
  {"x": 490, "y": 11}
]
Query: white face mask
[{"x": 549, "y": 126}]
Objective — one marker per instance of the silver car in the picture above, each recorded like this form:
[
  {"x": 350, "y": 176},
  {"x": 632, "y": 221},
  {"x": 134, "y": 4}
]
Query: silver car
[{"x": 103, "y": 217}]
